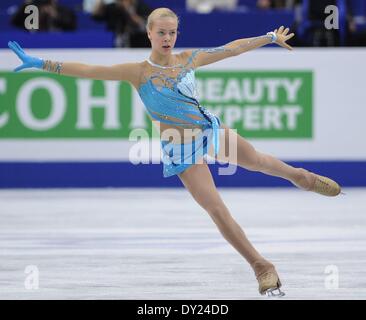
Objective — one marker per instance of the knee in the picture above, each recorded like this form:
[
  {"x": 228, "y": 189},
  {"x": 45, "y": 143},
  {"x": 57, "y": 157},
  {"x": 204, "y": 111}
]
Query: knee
[
  {"x": 254, "y": 162},
  {"x": 217, "y": 211}
]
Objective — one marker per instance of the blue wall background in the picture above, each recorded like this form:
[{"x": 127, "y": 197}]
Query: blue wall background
[
  {"x": 124, "y": 174},
  {"x": 196, "y": 30}
]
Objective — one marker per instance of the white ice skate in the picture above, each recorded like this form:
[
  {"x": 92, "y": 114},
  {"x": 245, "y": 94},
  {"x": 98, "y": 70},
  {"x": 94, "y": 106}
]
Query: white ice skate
[{"x": 274, "y": 293}]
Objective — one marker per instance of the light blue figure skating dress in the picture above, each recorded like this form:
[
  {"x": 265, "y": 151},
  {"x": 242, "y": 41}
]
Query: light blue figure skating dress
[{"x": 170, "y": 96}]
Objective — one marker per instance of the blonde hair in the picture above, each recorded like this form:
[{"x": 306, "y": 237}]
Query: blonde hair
[{"x": 160, "y": 13}]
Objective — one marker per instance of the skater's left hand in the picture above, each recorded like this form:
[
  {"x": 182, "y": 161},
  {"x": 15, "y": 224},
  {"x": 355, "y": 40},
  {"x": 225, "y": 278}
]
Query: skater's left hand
[{"x": 283, "y": 36}]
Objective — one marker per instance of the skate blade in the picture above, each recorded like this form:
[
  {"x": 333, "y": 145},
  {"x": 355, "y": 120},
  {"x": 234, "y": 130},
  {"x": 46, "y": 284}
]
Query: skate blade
[{"x": 274, "y": 293}]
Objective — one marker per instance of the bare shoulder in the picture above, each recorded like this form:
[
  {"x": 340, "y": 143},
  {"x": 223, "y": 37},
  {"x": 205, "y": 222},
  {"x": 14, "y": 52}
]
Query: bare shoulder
[
  {"x": 133, "y": 72},
  {"x": 186, "y": 54},
  {"x": 187, "y": 57},
  {"x": 142, "y": 65},
  {"x": 139, "y": 67}
]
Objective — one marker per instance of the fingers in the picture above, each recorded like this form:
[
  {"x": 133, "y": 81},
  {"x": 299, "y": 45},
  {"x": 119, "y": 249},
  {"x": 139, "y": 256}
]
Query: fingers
[
  {"x": 23, "y": 66},
  {"x": 19, "y": 47},
  {"x": 15, "y": 49},
  {"x": 12, "y": 46},
  {"x": 289, "y": 36},
  {"x": 285, "y": 45},
  {"x": 282, "y": 30}
]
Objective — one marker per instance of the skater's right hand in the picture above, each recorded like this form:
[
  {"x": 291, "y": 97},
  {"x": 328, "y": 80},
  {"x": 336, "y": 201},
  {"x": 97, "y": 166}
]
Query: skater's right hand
[{"x": 28, "y": 61}]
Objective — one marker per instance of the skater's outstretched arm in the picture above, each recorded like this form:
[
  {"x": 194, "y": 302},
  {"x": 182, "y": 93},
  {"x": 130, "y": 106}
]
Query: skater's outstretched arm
[
  {"x": 203, "y": 57},
  {"x": 122, "y": 72}
]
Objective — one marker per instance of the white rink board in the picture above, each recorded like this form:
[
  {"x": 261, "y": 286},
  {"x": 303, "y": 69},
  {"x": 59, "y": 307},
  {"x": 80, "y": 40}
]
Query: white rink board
[{"x": 339, "y": 109}]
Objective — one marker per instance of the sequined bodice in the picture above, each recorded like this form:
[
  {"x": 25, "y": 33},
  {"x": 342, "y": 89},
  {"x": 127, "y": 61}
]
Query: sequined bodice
[
  {"x": 176, "y": 104},
  {"x": 170, "y": 96}
]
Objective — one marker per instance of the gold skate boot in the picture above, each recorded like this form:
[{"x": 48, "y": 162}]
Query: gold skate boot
[
  {"x": 268, "y": 280},
  {"x": 326, "y": 186},
  {"x": 321, "y": 185}
]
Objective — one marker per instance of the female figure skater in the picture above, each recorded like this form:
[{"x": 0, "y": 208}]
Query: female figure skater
[{"x": 166, "y": 84}]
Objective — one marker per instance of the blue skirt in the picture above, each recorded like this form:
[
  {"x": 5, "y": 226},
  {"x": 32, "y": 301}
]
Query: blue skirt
[{"x": 179, "y": 157}]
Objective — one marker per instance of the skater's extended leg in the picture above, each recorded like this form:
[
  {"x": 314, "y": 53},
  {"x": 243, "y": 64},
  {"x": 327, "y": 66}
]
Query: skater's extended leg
[
  {"x": 240, "y": 152},
  {"x": 198, "y": 181}
]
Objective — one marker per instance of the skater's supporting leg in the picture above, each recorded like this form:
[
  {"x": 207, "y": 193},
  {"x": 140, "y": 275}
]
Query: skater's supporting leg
[{"x": 198, "y": 181}]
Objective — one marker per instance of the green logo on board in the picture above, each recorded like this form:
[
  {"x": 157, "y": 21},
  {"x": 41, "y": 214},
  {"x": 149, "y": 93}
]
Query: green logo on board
[
  {"x": 257, "y": 104},
  {"x": 260, "y": 104}
]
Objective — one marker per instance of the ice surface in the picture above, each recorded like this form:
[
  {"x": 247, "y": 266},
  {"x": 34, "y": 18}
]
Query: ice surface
[{"x": 159, "y": 244}]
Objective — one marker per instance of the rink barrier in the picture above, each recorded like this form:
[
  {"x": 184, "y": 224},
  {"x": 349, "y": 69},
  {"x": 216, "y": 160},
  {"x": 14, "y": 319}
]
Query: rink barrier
[{"x": 125, "y": 174}]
